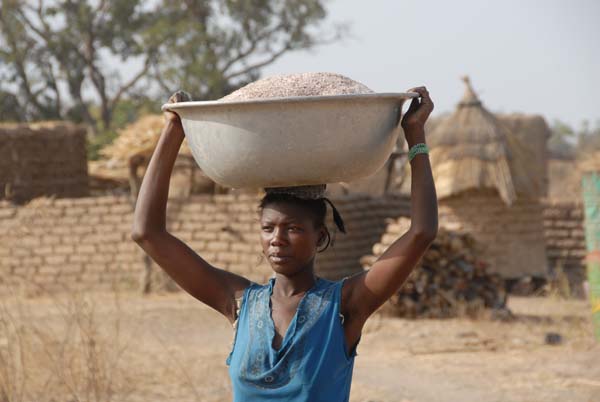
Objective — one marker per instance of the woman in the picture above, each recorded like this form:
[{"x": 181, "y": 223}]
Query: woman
[{"x": 296, "y": 336}]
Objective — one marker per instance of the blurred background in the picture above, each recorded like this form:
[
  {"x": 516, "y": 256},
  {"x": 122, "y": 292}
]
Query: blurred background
[{"x": 504, "y": 306}]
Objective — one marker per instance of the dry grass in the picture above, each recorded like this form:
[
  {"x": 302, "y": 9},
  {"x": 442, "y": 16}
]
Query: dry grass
[
  {"x": 171, "y": 348},
  {"x": 76, "y": 357}
]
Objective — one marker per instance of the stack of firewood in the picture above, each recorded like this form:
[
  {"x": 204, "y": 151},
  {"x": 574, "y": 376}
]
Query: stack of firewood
[{"x": 449, "y": 281}]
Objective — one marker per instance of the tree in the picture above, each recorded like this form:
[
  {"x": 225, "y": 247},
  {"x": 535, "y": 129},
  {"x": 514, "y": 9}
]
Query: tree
[
  {"x": 588, "y": 138},
  {"x": 565, "y": 142},
  {"x": 65, "y": 58},
  {"x": 218, "y": 46},
  {"x": 561, "y": 143}
]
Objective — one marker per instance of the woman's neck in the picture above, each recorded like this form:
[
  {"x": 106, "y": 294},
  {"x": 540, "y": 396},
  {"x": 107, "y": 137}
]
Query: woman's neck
[{"x": 287, "y": 286}]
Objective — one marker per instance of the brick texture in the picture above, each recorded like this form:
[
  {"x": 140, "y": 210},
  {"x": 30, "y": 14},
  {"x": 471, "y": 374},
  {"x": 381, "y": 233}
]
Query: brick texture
[
  {"x": 51, "y": 245},
  {"x": 42, "y": 159}
]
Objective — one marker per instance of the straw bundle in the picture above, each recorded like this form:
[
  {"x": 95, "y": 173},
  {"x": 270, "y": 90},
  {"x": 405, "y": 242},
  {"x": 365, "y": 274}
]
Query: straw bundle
[{"x": 138, "y": 138}]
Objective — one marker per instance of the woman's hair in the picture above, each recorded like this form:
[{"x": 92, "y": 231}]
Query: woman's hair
[{"x": 316, "y": 207}]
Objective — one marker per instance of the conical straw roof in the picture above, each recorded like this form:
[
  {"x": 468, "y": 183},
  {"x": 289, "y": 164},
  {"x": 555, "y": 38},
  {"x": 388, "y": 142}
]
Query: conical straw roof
[{"x": 472, "y": 149}]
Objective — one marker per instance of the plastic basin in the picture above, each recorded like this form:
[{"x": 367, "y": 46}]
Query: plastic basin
[{"x": 292, "y": 141}]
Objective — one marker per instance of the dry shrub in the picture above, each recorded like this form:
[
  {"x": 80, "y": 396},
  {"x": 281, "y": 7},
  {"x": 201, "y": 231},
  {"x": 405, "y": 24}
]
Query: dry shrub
[
  {"x": 74, "y": 357},
  {"x": 13, "y": 373}
]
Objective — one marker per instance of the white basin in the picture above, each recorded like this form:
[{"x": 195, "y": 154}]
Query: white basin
[{"x": 292, "y": 141}]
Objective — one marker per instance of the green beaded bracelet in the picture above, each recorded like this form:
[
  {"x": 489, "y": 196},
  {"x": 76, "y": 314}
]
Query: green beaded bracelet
[{"x": 417, "y": 149}]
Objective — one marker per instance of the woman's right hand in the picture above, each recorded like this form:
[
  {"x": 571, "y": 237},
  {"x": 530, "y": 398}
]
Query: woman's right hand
[{"x": 172, "y": 117}]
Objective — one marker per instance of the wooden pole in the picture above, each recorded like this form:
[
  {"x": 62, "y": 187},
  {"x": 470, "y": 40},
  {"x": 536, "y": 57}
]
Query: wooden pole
[{"x": 591, "y": 203}]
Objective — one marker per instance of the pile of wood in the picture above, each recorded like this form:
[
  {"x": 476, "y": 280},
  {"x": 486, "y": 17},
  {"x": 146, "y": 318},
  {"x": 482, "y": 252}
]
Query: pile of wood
[{"x": 450, "y": 280}]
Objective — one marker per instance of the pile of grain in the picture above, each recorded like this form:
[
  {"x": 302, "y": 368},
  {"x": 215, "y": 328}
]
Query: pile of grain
[
  {"x": 449, "y": 281},
  {"x": 304, "y": 84}
]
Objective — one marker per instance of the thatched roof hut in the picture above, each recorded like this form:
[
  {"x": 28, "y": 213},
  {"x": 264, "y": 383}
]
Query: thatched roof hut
[
  {"x": 473, "y": 149},
  {"x": 137, "y": 141},
  {"x": 138, "y": 138},
  {"x": 490, "y": 174}
]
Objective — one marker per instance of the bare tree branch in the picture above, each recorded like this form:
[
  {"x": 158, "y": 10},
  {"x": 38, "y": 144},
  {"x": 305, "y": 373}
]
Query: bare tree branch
[
  {"x": 254, "y": 42},
  {"x": 124, "y": 88},
  {"x": 274, "y": 56}
]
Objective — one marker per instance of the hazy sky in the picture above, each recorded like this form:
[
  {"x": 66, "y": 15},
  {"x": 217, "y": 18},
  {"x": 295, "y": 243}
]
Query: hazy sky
[{"x": 522, "y": 56}]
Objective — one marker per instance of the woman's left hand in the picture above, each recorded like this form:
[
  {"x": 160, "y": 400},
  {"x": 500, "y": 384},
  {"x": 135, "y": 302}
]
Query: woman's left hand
[{"x": 418, "y": 112}]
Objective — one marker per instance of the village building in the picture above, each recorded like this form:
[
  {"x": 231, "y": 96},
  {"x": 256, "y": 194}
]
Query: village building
[{"x": 490, "y": 175}]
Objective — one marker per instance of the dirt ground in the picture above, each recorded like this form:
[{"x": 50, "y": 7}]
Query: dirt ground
[{"x": 173, "y": 348}]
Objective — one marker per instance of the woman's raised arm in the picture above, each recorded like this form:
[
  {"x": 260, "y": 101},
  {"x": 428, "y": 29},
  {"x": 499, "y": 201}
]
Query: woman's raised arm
[
  {"x": 366, "y": 292},
  {"x": 215, "y": 287}
]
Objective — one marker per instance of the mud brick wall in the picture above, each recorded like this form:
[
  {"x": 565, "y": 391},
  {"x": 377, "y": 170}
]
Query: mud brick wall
[
  {"x": 42, "y": 159},
  {"x": 512, "y": 237},
  {"x": 52, "y": 245},
  {"x": 565, "y": 241}
]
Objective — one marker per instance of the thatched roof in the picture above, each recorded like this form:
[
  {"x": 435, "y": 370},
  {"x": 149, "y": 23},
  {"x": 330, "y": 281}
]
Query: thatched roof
[
  {"x": 531, "y": 134},
  {"x": 473, "y": 149},
  {"x": 138, "y": 138}
]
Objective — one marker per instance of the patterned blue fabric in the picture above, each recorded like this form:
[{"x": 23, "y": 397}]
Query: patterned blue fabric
[{"x": 312, "y": 363}]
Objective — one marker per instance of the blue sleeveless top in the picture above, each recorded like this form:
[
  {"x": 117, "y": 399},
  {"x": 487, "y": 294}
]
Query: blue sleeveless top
[{"x": 312, "y": 363}]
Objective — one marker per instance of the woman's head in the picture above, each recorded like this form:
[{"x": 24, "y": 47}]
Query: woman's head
[{"x": 293, "y": 230}]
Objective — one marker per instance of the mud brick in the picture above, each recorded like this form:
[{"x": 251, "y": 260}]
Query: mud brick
[
  {"x": 60, "y": 230},
  {"x": 76, "y": 258},
  {"x": 111, "y": 200},
  {"x": 28, "y": 242},
  {"x": 228, "y": 257},
  {"x": 214, "y": 227},
  {"x": 55, "y": 259},
  {"x": 110, "y": 237},
  {"x": 204, "y": 235},
  {"x": 127, "y": 246},
  {"x": 85, "y": 249},
  {"x": 122, "y": 209},
  {"x": 70, "y": 269},
  {"x": 224, "y": 198},
  {"x": 31, "y": 261},
  {"x": 63, "y": 249},
  {"x": 48, "y": 270},
  {"x": 126, "y": 258},
  {"x": 99, "y": 210},
  {"x": 112, "y": 218},
  {"x": 75, "y": 211},
  {"x": 85, "y": 202},
  {"x": 194, "y": 207},
  {"x": 217, "y": 246},
  {"x": 242, "y": 247},
  {"x": 209, "y": 256},
  {"x": 50, "y": 240},
  {"x": 197, "y": 244}
]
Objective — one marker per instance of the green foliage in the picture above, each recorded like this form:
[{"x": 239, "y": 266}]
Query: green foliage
[
  {"x": 99, "y": 141},
  {"x": 126, "y": 112},
  {"x": 566, "y": 142},
  {"x": 64, "y": 58},
  {"x": 561, "y": 143}
]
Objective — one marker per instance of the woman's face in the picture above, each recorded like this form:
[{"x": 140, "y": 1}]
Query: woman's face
[{"x": 289, "y": 237}]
